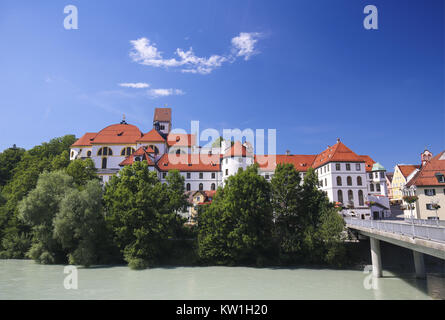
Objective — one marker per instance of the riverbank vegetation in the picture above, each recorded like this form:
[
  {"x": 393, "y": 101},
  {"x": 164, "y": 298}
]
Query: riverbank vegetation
[{"x": 54, "y": 210}]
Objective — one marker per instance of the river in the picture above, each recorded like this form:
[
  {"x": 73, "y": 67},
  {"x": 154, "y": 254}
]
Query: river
[{"x": 24, "y": 279}]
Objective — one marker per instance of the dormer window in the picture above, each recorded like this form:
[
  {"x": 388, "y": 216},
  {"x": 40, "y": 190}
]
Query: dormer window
[{"x": 440, "y": 177}]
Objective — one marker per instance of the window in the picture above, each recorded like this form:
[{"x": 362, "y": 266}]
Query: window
[
  {"x": 377, "y": 186},
  {"x": 338, "y": 181},
  {"x": 349, "y": 181},
  {"x": 72, "y": 154},
  {"x": 227, "y": 172},
  {"x": 88, "y": 153},
  {"x": 188, "y": 175},
  {"x": 105, "y": 151},
  {"x": 382, "y": 175},
  {"x": 359, "y": 181},
  {"x": 357, "y": 166},
  {"x": 164, "y": 174},
  {"x": 361, "y": 201},
  {"x": 104, "y": 163},
  {"x": 370, "y": 176},
  {"x": 187, "y": 187},
  {"x": 178, "y": 152},
  {"x": 328, "y": 167},
  {"x": 348, "y": 167},
  {"x": 212, "y": 187},
  {"x": 430, "y": 192},
  {"x": 350, "y": 195},
  {"x": 155, "y": 149},
  {"x": 337, "y": 166},
  {"x": 266, "y": 176},
  {"x": 213, "y": 175},
  {"x": 227, "y": 161},
  {"x": 325, "y": 182},
  {"x": 127, "y": 151},
  {"x": 340, "y": 196},
  {"x": 429, "y": 206},
  {"x": 371, "y": 187},
  {"x": 320, "y": 183},
  {"x": 201, "y": 175},
  {"x": 161, "y": 127},
  {"x": 201, "y": 187}
]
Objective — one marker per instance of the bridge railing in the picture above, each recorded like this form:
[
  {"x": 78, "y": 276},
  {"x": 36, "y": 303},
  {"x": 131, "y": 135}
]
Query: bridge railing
[
  {"x": 433, "y": 233},
  {"x": 432, "y": 222}
]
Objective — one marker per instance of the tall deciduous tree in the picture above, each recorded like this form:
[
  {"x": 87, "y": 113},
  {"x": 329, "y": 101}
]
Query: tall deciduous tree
[{"x": 237, "y": 226}]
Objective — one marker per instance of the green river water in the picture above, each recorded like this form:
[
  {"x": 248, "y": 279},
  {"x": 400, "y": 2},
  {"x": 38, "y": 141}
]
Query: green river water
[{"x": 24, "y": 279}]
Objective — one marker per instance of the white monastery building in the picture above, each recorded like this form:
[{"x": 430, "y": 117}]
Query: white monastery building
[{"x": 355, "y": 182}]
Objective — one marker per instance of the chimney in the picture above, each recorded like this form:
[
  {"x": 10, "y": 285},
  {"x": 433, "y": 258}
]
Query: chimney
[
  {"x": 287, "y": 152},
  {"x": 338, "y": 140}
]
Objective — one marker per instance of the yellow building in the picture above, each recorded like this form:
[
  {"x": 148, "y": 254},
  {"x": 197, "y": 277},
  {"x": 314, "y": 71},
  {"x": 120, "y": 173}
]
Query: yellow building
[{"x": 402, "y": 174}]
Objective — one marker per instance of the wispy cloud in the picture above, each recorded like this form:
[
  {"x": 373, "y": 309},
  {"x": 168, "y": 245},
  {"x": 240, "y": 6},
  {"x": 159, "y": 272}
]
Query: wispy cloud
[
  {"x": 156, "y": 93},
  {"x": 137, "y": 85},
  {"x": 146, "y": 53}
]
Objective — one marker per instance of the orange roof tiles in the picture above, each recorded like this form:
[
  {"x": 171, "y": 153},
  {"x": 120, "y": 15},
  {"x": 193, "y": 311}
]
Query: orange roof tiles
[
  {"x": 151, "y": 136},
  {"x": 85, "y": 140},
  {"x": 142, "y": 152},
  {"x": 181, "y": 140},
  {"x": 368, "y": 162},
  {"x": 427, "y": 174},
  {"x": 338, "y": 152},
  {"x": 407, "y": 169},
  {"x": 117, "y": 134},
  {"x": 300, "y": 162},
  {"x": 163, "y": 115},
  {"x": 189, "y": 162}
]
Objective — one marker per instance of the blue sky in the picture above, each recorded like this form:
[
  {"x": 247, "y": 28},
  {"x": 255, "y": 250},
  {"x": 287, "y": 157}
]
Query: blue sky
[{"x": 314, "y": 72}]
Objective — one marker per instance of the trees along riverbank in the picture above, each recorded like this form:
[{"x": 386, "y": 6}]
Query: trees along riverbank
[{"x": 54, "y": 210}]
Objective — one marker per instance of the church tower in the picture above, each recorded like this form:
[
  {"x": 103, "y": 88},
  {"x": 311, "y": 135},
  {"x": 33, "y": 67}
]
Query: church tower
[{"x": 162, "y": 120}]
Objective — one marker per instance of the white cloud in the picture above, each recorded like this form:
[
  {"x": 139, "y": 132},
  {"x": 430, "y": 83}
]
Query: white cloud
[
  {"x": 156, "y": 93},
  {"x": 244, "y": 44},
  {"x": 146, "y": 53},
  {"x": 137, "y": 85}
]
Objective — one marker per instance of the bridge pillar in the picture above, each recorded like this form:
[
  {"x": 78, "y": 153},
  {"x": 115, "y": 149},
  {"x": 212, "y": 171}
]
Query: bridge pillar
[
  {"x": 419, "y": 264},
  {"x": 376, "y": 258}
]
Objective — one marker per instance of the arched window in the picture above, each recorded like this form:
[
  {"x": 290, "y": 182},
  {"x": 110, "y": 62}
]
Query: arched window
[
  {"x": 338, "y": 181},
  {"x": 371, "y": 187},
  {"x": 105, "y": 151},
  {"x": 213, "y": 186},
  {"x": 349, "y": 181},
  {"x": 361, "y": 201},
  {"x": 178, "y": 151},
  {"x": 340, "y": 196},
  {"x": 127, "y": 151},
  {"x": 201, "y": 187},
  {"x": 350, "y": 196},
  {"x": 89, "y": 153},
  {"x": 359, "y": 181},
  {"x": 187, "y": 187},
  {"x": 104, "y": 163}
]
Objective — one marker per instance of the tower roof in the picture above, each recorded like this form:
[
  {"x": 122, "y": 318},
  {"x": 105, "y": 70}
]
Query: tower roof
[
  {"x": 238, "y": 150},
  {"x": 378, "y": 167},
  {"x": 163, "y": 115}
]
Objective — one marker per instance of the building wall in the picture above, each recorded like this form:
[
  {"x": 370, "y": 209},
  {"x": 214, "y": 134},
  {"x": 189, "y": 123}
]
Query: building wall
[
  {"x": 420, "y": 210},
  {"x": 398, "y": 183}
]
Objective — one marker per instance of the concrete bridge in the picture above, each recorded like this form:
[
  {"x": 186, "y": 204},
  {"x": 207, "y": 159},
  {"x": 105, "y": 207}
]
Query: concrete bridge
[{"x": 421, "y": 238}]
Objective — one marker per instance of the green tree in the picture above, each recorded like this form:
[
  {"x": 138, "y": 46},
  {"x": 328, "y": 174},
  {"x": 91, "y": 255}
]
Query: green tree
[
  {"x": 237, "y": 226},
  {"x": 141, "y": 214},
  {"x": 286, "y": 202},
  {"x": 38, "y": 210},
  {"x": 82, "y": 171},
  {"x": 80, "y": 225},
  {"x": 9, "y": 159}
]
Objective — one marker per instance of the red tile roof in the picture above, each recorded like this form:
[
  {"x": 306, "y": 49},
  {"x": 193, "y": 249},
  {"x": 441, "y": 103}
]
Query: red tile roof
[
  {"x": 238, "y": 150},
  {"x": 141, "y": 152},
  {"x": 151, "y": 136},
  {"x": 163, "y": 115},
  {"x": 181, "y": 140},
  {"x": 368, "y": 162},
  {"x": 407, "y": 169},
  {"x": 339, "y": 153},
  {"x": 85, "y": 140},
  {"x": 189, "y": 162},
  {"x": 300, "y": 162},
  {"x": 427, "y": 174},
  {"x": 118, "y": 134}
]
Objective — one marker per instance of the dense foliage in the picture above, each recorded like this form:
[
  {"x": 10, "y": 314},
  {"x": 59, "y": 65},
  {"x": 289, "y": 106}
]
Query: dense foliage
[
  {"x": 142, "y": 213},
  {"x": 54, "y": 210}
]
